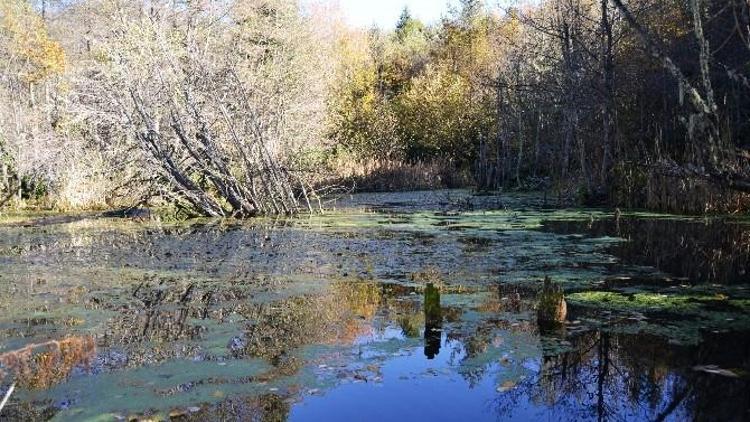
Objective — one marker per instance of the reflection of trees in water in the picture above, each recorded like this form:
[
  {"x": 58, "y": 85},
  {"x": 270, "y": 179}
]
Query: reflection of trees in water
[
  {"x": 42, "y": 365},
  {"x": 710, "y": 251},
  {"x": 469, "y": 342},
  {"x": 177, "y": 317},
  {"x": 466, "y": 342},
  {"x": 335, "y": 318},
  {"x": 433, "y": 317},
  {"x": 215, "y": 250},
  {"x": 265, "y": 408},
  {"x": 617, "y": 376},
  {"x": 604, "y": 375},
  {"x": 165, "y": 319}
]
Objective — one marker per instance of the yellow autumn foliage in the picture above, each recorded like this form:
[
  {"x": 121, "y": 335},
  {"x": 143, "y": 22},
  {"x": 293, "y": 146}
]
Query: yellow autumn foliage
[{"x": 26, "y": 39}]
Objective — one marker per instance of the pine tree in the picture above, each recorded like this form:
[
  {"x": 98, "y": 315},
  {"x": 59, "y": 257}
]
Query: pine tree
[{"x": 403, "y": 20}]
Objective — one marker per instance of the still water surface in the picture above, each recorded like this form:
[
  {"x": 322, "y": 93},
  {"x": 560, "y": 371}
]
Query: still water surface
[{"x": 409, "y": 306}]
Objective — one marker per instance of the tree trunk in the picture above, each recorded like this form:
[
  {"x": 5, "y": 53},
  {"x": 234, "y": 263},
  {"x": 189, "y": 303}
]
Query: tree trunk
[
  {"x": 609, "y": 93},
  {"x": 519, "y": 162},
  {"x": 708, "y": 91},
  {"x": 537, "y": 142},
  {"x": 500, "y": 159},
  {"x": 704, "y": 117}
]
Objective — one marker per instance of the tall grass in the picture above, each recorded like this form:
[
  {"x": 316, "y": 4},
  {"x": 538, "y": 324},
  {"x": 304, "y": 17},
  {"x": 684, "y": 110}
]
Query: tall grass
[{"x": 378, "y": 175}]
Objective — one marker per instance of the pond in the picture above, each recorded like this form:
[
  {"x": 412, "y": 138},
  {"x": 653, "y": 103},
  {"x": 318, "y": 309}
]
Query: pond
[{"x": 398, "y": 306}]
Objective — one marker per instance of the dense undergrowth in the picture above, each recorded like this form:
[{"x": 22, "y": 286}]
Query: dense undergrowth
[{"x": 258, "y": 107}]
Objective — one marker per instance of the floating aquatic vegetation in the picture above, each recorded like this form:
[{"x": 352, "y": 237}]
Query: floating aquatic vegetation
[
  {"x": 661, "y": 302},
  {"x": 682, "y": 318},
  {"x": 429, "y": 302}
]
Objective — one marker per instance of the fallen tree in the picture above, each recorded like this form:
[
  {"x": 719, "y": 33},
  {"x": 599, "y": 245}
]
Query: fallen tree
[
  {"x": 213, "y": 97},
  {"x": 725, "y": 179}
]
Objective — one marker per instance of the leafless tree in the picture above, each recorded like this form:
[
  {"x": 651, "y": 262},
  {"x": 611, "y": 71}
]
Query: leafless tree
[{"x": 217, "y": 98}]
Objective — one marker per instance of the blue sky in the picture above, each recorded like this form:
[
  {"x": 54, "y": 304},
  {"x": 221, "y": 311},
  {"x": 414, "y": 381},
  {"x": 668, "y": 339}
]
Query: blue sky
[{"x": 385, "y": 13}]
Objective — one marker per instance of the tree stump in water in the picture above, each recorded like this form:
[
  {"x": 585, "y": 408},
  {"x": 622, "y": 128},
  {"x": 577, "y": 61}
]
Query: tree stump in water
[{"x": 551, "y": 308}]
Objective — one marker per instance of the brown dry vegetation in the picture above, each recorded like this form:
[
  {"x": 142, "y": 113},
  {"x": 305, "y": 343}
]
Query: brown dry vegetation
[{"x": 42, "y": 365}]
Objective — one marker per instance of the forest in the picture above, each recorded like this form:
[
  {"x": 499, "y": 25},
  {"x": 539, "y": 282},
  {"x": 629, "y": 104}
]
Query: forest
[
  {"x": 262, "y": 210},
  {"x": 261, "y": 107}
]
